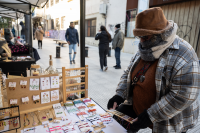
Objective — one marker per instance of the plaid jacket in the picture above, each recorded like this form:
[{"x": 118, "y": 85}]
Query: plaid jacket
[{"x": 177, "y": 80}]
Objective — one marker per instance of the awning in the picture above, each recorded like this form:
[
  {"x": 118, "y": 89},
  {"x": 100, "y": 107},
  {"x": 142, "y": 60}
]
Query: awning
[{"x": 17, "y": 8}]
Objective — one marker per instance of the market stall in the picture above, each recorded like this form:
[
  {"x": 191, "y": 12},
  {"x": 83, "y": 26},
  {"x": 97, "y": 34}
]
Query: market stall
[
  {"x": 22, "y": 53},
  {"x": 53, "y": 102}
]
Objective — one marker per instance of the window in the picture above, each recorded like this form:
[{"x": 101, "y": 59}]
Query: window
[
  {"x": 52, "y": 2},
  {"x": 57, "y": 23},
  {"x": 62, "y": 22},
  {"x": 76, "y": 23},
  {"x": 57, "y": 1},
  {"x": 130, "y": 22},
  {"x": 52, "y": 24},
  {"x": 90, "y": 28},
  {"x": 47, "y": 5}
]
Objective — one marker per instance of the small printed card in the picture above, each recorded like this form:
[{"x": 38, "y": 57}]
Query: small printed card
[
  {"x": 13, "y": 101},
  {"x": 25, "y": 99},
  {"x": 57, "y": 106},
  {"x": 45, "y": 97},
  {"x": 34, "y": 84},
  {"x": 36, "y": 97},
  {"x": 54, "y": 81},
  {"x": 44, "y": 83},
  {"x": 54, "y": 95},
  {"x": 23, "y": 82},
  {"x": 12, "y": 84}
]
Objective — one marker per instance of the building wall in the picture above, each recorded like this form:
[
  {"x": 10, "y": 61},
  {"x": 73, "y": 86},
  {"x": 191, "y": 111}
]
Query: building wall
[
  {"x": 186, "y": 15},
  {"x": 92, "y": 12},
  {"x": 116, "y": 14},
  {"x": 71, "y": 11}
]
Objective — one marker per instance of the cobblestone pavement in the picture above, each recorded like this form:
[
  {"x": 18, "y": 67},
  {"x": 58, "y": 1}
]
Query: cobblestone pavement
[{"x": 102, "y": 85}]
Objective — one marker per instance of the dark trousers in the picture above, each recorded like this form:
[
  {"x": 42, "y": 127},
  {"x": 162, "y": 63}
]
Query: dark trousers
[
  {"x": 117, "y": 56},
  {"x": 40, "y": 41},
  {"x": 103, "y": 57}
]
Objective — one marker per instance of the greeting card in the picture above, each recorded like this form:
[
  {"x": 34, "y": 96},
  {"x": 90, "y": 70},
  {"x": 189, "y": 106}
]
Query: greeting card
[
  {"x": 36, "y": 97},
  {"x": 25, "y": 100},
  {"x": 45, "y": 97},
  {"x": 34, "y": 84},
  {"x": 12, "y": 84},
  {"x": 44, "y": 83},
  {"x": 54, "y": 95},
  {"x": 13, "y": 101},
  {"x": 54, "y": 81},
  {"x": 23, "y": 82}
]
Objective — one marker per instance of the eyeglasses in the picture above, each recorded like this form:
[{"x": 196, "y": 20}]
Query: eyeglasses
[{"x": 143, "y": 37}]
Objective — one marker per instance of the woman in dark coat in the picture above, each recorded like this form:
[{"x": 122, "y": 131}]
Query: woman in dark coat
[
  {"x": 8, "y": 37},
  {"x": 104, "y": 39}
]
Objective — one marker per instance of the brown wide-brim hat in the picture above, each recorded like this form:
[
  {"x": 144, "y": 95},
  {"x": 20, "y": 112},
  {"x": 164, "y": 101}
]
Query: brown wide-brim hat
[{"x": 151, "y": 21}]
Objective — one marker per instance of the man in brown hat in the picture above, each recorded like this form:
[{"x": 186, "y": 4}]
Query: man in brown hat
[{"x": 161, "y": 85}]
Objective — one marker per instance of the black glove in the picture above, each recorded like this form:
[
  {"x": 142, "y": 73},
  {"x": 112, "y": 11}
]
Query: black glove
[
  {"x": 142, "y": 122},
  {"x": 116, "y": 99}
]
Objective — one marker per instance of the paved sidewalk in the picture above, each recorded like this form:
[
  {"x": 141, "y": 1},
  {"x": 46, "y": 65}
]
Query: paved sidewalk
[{"x": 102, "y": 85}]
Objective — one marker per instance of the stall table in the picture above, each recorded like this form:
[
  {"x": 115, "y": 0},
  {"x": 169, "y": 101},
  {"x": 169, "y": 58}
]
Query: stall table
[{"x": 16, "y": 66}]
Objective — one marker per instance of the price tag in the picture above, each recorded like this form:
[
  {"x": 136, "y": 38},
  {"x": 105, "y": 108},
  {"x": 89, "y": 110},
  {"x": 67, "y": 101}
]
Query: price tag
[
  {"x": 25, "y": 99},
  {"x": 12, "y": 84},
  {"x": 22, "y": 82},
  {"x": 13, "y": 101},
  {"x": 36, "y": 97}
]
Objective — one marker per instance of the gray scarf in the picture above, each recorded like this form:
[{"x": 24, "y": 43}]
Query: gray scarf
[{"x": 151, "y": 50}]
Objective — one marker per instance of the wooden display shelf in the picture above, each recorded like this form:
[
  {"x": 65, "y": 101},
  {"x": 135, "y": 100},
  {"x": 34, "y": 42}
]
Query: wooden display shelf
[
  {"x": 36, "y": 109},
  {"x": 19, "y": 92},
  {"x": 75, "y": 84},
  {"x": 75, "y": 91},
  {"x": 70, "y": 77},
  {"x": 82, "y": 83},
  {"x": 81, "y": 68}
]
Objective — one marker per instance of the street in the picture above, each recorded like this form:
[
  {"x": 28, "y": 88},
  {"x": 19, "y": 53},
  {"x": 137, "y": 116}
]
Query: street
[{"x": 101, "y": 85}]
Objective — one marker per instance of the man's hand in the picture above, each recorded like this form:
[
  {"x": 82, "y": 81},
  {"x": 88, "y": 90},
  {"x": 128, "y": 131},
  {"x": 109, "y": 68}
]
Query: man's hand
[
  {"x": 78, "y": 45},
  {"x": 68, "y": 42},
  {"x": 114, "y": 102},
  {"x": 114, "y": 106}
]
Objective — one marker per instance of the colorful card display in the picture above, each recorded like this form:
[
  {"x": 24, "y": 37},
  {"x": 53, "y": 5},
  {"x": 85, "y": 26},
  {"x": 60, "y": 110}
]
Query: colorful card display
[
  {"x": 34, "y": 84},
  {"x": 54, "y": 95},
  {"x": 44, "y": 83},
  {"x": 54, "y": 81},
  {"x": 45, "y": 97}
]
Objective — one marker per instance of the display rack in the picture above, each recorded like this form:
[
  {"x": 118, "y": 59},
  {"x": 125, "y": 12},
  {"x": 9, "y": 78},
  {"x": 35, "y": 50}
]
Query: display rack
[
  {"x": 13, "y": 116},
  {"x": 64, "y": 77},
  {"x": 18, "y": 93}
]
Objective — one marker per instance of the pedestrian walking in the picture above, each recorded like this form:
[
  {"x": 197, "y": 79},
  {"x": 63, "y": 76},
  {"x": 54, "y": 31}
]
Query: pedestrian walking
[
  {"x": 104, "y": 38},
  {"x": 23, "y": 30},
  {"x": 72, "y": 39},
  {"x": 117, "y": 45},
  {"x": 160, "y": 87},
  {"x": 34, "y": 29},
  {"x": 39, "y": 36}
]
